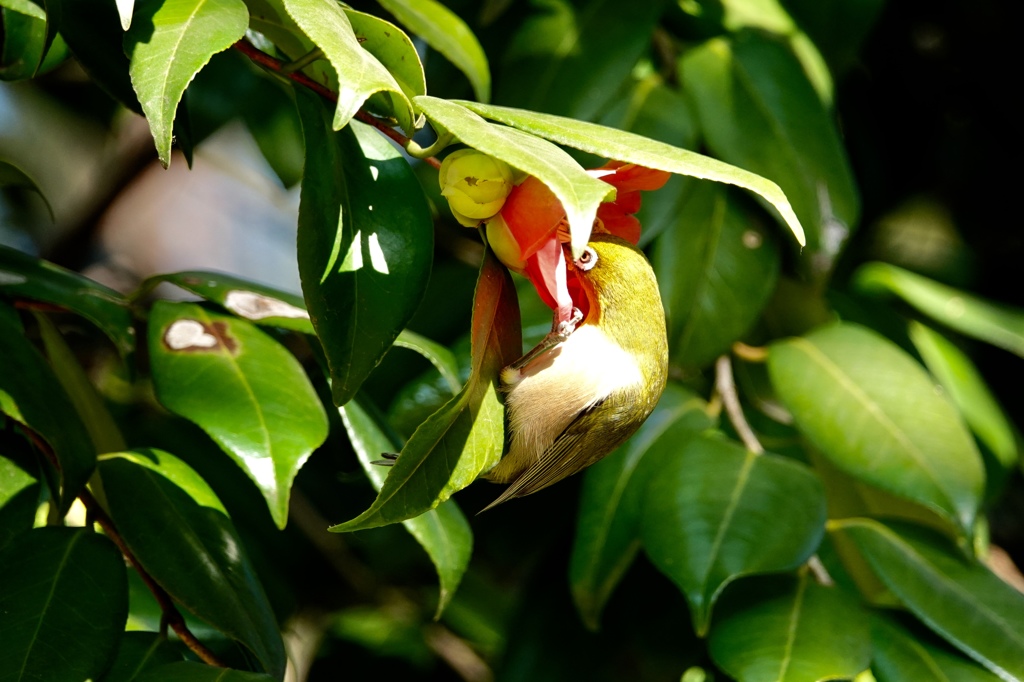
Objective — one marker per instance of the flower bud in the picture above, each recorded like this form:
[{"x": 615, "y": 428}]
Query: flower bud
[
  {"x": 475, "y": 185},
  {"x": 504, "y": 245}
]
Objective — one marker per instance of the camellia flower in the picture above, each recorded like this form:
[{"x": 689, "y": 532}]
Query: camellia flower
[{"x": 528, "y": 233}]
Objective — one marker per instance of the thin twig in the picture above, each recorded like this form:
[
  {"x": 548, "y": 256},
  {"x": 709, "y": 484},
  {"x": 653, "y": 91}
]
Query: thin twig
[
  {"x": 725, "y": 386},
  {"x": 282, "y": 68},
  {"x": 819, "y": 571},
  {"x": 170, "y": 614}
]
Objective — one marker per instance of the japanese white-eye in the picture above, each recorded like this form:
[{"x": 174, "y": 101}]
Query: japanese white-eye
[{"x": 585, "y": 389}]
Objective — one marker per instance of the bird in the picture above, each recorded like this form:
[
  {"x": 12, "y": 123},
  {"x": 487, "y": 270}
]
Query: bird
[{"x": 591, "y": 382}]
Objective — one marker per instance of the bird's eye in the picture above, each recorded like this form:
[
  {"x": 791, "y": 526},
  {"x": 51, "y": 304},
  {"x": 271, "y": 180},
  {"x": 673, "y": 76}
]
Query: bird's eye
[{"x": 587, "y": 259}]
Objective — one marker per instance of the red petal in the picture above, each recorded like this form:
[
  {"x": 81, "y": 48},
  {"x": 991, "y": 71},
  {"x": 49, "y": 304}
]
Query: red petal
[
  {"x": 630, "y": 177},
  {"x": 547, "y": 271},
  {"x": 619, "y": 222},
  {"x": 532, "y": 212}
]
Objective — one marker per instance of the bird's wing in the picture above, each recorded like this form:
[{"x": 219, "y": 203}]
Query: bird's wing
[{"x": 580, "y": 444}]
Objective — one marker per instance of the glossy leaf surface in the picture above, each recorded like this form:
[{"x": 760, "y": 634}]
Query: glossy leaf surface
[
  {"x": 999, "y": 325},
  {"x": 138, "y": 652},
  {"x": 790, "y": 630},
  {"x": 875, "y": 414},
  {"x": 392, "y": 48},
  {"x": 365, "y": 244},
  {"x": 612, "y": 500},
  {"x": 900, "y": 654},
  {"x": 167, "y": 44},
  {"x": 716, "y": 270},
  {"x": 716, "y": 512},
  {"x": 19, "y": 498},
  {"x": 243, "y": 388},
  {"x": 958, "y": 598},
  {"x": 64, "y": 602},
  {"x": 466, "y": 436},
  {"x": 22, "y": 276},
  {"x": 447, "y": 33},
  {"x": 758, "y": 110},
  {"x": 178, "y": 530},
  {"x": 579, "y": 193},
  {"x": 625, "y": 146},
  {"x": 360, "y": 74},
  {"x": 443, "y": 532}
]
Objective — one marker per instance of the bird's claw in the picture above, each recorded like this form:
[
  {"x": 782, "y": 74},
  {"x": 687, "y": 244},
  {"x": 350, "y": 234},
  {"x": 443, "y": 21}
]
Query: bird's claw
[{"x": 567, "y": 327}]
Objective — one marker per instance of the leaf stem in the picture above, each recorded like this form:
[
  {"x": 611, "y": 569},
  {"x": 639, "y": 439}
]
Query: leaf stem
[
  {"x": 170, "y": 614},
  {"x": 284, "y": 69},
  {"x": 725, "y": 386}
]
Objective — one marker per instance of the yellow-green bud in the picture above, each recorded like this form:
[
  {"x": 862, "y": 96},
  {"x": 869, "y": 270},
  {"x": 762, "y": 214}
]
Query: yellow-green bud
[
  {"x": 475, "y": 185},
  {"x": 504, "y": 245}
]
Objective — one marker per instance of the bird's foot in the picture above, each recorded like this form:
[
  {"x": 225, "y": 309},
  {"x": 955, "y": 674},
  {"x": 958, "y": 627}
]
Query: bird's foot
[{"x": 389, "y": 459}]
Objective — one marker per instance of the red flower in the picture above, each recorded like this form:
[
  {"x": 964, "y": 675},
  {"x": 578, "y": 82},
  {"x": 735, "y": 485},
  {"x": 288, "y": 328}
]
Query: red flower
[{"x": 528, "y": 233}]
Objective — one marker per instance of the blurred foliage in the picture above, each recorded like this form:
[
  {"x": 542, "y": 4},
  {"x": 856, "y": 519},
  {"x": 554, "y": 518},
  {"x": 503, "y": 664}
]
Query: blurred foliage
[{"x": 213, "y": 441}]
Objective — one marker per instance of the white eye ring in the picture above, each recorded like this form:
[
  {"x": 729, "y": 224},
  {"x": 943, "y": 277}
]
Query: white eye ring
[{"x": 587, "y": 259}]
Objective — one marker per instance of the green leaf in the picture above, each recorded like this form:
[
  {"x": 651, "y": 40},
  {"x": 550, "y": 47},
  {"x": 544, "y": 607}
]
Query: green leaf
[
  {"x": 26, "y": 7},
  {"x": 958, "y": 598},
  {"x": 901, "y": 655},
  {"x": 139, "y": 652},
  {"x": 365, "y": 244},
  {"x": 446, "y": 32},
  {"x": 716, "y": 270},
  {"x": 360, "y": 74},
  {"x": 790, "y": 630},
  {"x": 28, "y": 48},
  {"x": 103, "y": 431},
  {"x": 875, "y": 414},
  {"x": 31, "y": 395},
  {"x": 187, "y": 671},
  {"x": 561, "y": 59},
  {"x": 968, "y": 391},
  {"x": 999, "y": 325},
  {"x": 436, "y": 354},
  {"x": 243, "y": 388},
  {"x": 624, "y": 146},
  {"x": 758, "y": 110},
  {"x": 178, "y": 530},
  {"x": 255, "y": 302},
  {"x": 167, "y": 44},
  {"x": 715, "y": 512},
  {"x": 94, "y": 37},
  {"x": 466, "y": 436},
  {"x": 64, "y": 603},
  {"x": 12, "y": 176},
  {"x": 837, "y": 28},
  {"x": 393, "y": 48},
  {"x": 611, "y": 503},
  {"x": 443, "y": 532},
  {"x": 19, "y": 500},
  {"x": 22, "y": 276},
  {"x": 579, "y": 193}
]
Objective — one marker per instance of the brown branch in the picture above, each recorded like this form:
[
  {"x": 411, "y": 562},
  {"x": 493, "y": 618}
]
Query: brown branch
[
  {"x": 171, "y": 615},
  {"x": 725, "y": 386},
  {"x": 279, "y": 67}
]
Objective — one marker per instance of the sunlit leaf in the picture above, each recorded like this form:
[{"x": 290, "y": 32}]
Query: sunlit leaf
[
  {"x": 466, "y": 436},
  {"x": 579, "y": 193},
  {"x": 64, "y": 602},
  {"x": 168, "y": 43},
  {"x": 611, "y": 503},
  {"x": 624, "y": 146},
  {"x": 715, "y": 512},
  {"x": 392, "y": 48},
  {"x": 958, "y": 598},
  {"x": 969, "y": 392},
  {"x": 976, "y": 317},
  {"x": 19, "y": 499},
  {"x": 178, "y": 530},
  {"x": 875, "y": 414},
  {"x": 365, "y": 244},
  {"x": 790, "y": 630},
  {"x": 443, "y": 532},
  {"x": 758, "y": 110},
  {"x": 360, "y": 74},
  {"x": 243, "y": 388},
  {"x": 716, "y": 270}
]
